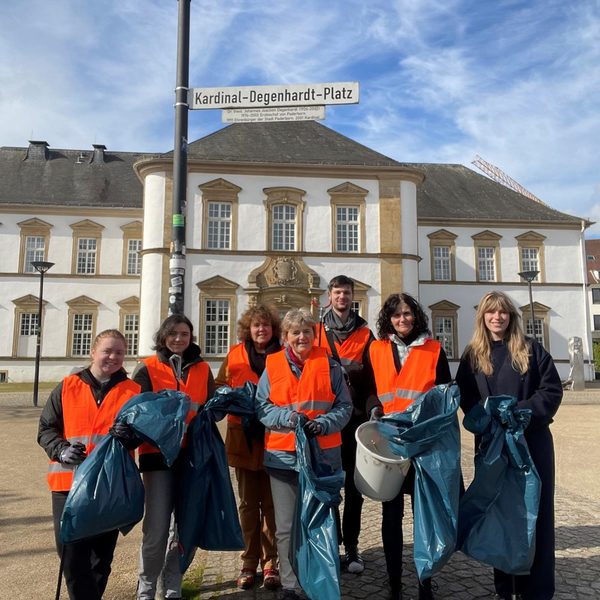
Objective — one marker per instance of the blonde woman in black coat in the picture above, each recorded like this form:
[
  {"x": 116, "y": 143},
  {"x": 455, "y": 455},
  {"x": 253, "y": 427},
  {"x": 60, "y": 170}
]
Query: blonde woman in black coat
[{"x": 501, "y": 360}]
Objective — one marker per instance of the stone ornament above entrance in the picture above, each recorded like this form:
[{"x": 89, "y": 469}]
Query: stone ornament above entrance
[{"x": 284, "y": 281}]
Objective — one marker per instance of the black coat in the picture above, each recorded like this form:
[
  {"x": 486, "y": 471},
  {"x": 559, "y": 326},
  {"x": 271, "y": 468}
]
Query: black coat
[{"x": 539, "y": 389}]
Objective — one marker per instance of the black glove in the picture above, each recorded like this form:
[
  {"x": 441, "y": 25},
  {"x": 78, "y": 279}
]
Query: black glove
[
  {"x": 125, "y": 435},
  {"x": 376, "y": 413},
  {"x": 311, "y": 428},
  {"x": 72, "y": 454}
]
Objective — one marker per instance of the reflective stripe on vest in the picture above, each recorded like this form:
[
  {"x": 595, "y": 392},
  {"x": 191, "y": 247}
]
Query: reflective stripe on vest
[
  {"x": 239, "y": 372},
  {"x": 162, "y": 378},
  {"x": 311, "y": 395},
  {"x": 351, "y": 349},
  {"x": 86, "y": 422},
  {"x": 397, "y": 391}
]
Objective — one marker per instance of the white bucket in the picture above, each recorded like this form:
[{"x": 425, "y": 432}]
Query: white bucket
[{"x": 379, "y": 473}]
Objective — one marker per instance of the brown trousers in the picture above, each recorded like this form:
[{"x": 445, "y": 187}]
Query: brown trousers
[{"x": 257, "y": 518}]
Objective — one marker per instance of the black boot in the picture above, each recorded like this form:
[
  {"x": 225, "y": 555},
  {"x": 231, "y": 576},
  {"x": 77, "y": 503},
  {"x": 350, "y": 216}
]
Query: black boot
[
  {"x": 395, "y": 587},
  {"x": 425, "y": 592}
]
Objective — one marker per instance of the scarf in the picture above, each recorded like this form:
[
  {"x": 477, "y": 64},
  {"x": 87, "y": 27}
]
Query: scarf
[
  {"x": 258, "y": 359},
  {"x": 404, "y": 345},
  {"x": 340, "y": 330}
]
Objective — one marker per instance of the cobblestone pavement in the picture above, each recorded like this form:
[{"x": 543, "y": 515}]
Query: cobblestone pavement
[
  {"x": 28, "y": 563},
  {"x": 577, "y": 564}
]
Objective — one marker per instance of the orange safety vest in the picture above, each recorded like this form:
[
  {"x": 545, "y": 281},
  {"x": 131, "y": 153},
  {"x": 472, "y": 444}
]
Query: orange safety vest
[
  {"x": 85, "y": 421},
  {"x": 311, "y": 395},
  {"x": 162, "y": 378},
  {"x": 397, "y": 391},
  {"x": 351, "y": 349},
  {"x": 239, "y": 372}
]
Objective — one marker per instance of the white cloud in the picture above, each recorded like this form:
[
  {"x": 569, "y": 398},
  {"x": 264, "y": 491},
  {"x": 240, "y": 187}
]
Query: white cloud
[{"x": 441, "y": 80}]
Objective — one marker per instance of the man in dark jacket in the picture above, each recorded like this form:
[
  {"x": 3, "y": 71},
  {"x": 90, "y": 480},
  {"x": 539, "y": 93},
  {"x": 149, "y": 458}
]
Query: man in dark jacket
[{"x": 346, "y": 337}]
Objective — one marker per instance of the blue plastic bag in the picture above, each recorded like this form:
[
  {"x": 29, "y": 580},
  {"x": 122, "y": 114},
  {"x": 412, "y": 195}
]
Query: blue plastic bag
[
  {"x": 498, "y": 512},
  {"x": 314, "y": 554},
  {"x": 428, "y": 433},
  {"x": 206, "y": 510},
  {"x": 107, "y": 491}
]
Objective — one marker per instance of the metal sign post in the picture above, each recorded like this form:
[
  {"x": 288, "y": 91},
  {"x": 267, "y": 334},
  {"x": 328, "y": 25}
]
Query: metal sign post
[{"x": 177, "y": 259}]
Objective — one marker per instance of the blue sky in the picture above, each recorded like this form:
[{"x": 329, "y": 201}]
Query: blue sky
[{"x": 514, "y": 81}]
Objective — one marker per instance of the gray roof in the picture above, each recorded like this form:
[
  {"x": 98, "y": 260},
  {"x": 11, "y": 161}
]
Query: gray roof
[
  {"x": 457, "y": 192},
  {"x": 301, "y": 142},
  {"x": 99, "y": 178},
  {"x": 92, "y": 178}
]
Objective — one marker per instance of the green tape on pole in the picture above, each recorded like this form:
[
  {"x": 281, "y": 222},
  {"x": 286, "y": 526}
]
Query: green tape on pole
[{"x": 178, "y": 220}]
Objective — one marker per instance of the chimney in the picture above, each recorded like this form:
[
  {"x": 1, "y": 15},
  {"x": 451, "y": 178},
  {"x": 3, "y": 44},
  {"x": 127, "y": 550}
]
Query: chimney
[
  {"x": 98, "y": 153},
  {"x": 37, "y": 150}
]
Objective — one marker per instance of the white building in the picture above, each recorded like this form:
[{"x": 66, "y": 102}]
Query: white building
[{"x": 274, "y": 211}]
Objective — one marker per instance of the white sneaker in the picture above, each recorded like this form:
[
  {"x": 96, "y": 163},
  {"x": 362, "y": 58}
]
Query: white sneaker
[{"x": 353, "y": 561}]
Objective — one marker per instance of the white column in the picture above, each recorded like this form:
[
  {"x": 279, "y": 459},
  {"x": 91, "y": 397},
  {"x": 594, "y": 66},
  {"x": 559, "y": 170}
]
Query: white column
[
  {"x": 151, "y": 282},
  {"x": 410, "y": 267}
]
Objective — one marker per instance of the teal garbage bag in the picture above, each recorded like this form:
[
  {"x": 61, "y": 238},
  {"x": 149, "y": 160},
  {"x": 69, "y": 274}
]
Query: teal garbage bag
[
  {"x": 498, "y": 512},
  {"x": 205, "y": 508},
  {"x": 107, "y": 491},
  {"x": 428, "y": 433},
  {"x": 314, "y": 554}
]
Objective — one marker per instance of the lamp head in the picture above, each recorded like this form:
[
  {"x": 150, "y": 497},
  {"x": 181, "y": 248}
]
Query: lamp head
[
  {"x": 528, "y": 276},
  {"x": 41, "y": 266}
]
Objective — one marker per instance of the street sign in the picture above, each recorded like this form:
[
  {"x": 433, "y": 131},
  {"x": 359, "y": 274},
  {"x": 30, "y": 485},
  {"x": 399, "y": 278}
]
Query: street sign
[
  {"x": 265, "y": 115},
  {"x": 263, "y": 96}
]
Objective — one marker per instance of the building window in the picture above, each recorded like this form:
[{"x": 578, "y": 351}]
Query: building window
[
  {"x": 82, "y": 334},
  {"x": 284, "y": 227},
  {"x": 24, "y": 335},
  {"x": 487, "y": 256},
  {"x": 531, "y": 253},
  {"x": 540, "y": 330},
  {"x": 35, "y": 250},
  {"x": 596, "y": 322},
  {"x": 216, "y": 330},
  {"x": 83, "y": 313},
  {"x": 35, "y": 236},
  {"x": 86, "y": 247},
  {"x": 219, "y": 214},
  {"x": 86, "y": 256},
  {"x": 134, "y": 260},
  {"x": 132, "y": 247},
  {"x": 596, "y": 295},
  {"x": 441, "y": 263},
  {"x": 536, "y": 332},
  {"x": 444, "y": 317},
  {"x": 485, "y": 264},
  {"x": 131, "y": 326},
  {"x": 217, "y": 315},
  {"x": 219, "y": 226},
  {"x": 442, "y": 250},
  {"x": 346, "y": 229},
  {"x": 129, "y": 323},
  {"x": 285, "y": 209},
  {"x": 348, "y": 202},
  {"x": 529, "y": 260},
  {"x": 443, "y": 332},
  {"x": 29, "y": 324}
]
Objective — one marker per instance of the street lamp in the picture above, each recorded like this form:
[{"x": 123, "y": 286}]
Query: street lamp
[
  {"x": 41, "y": 267},
  {"x": 529, "y": 276}
]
